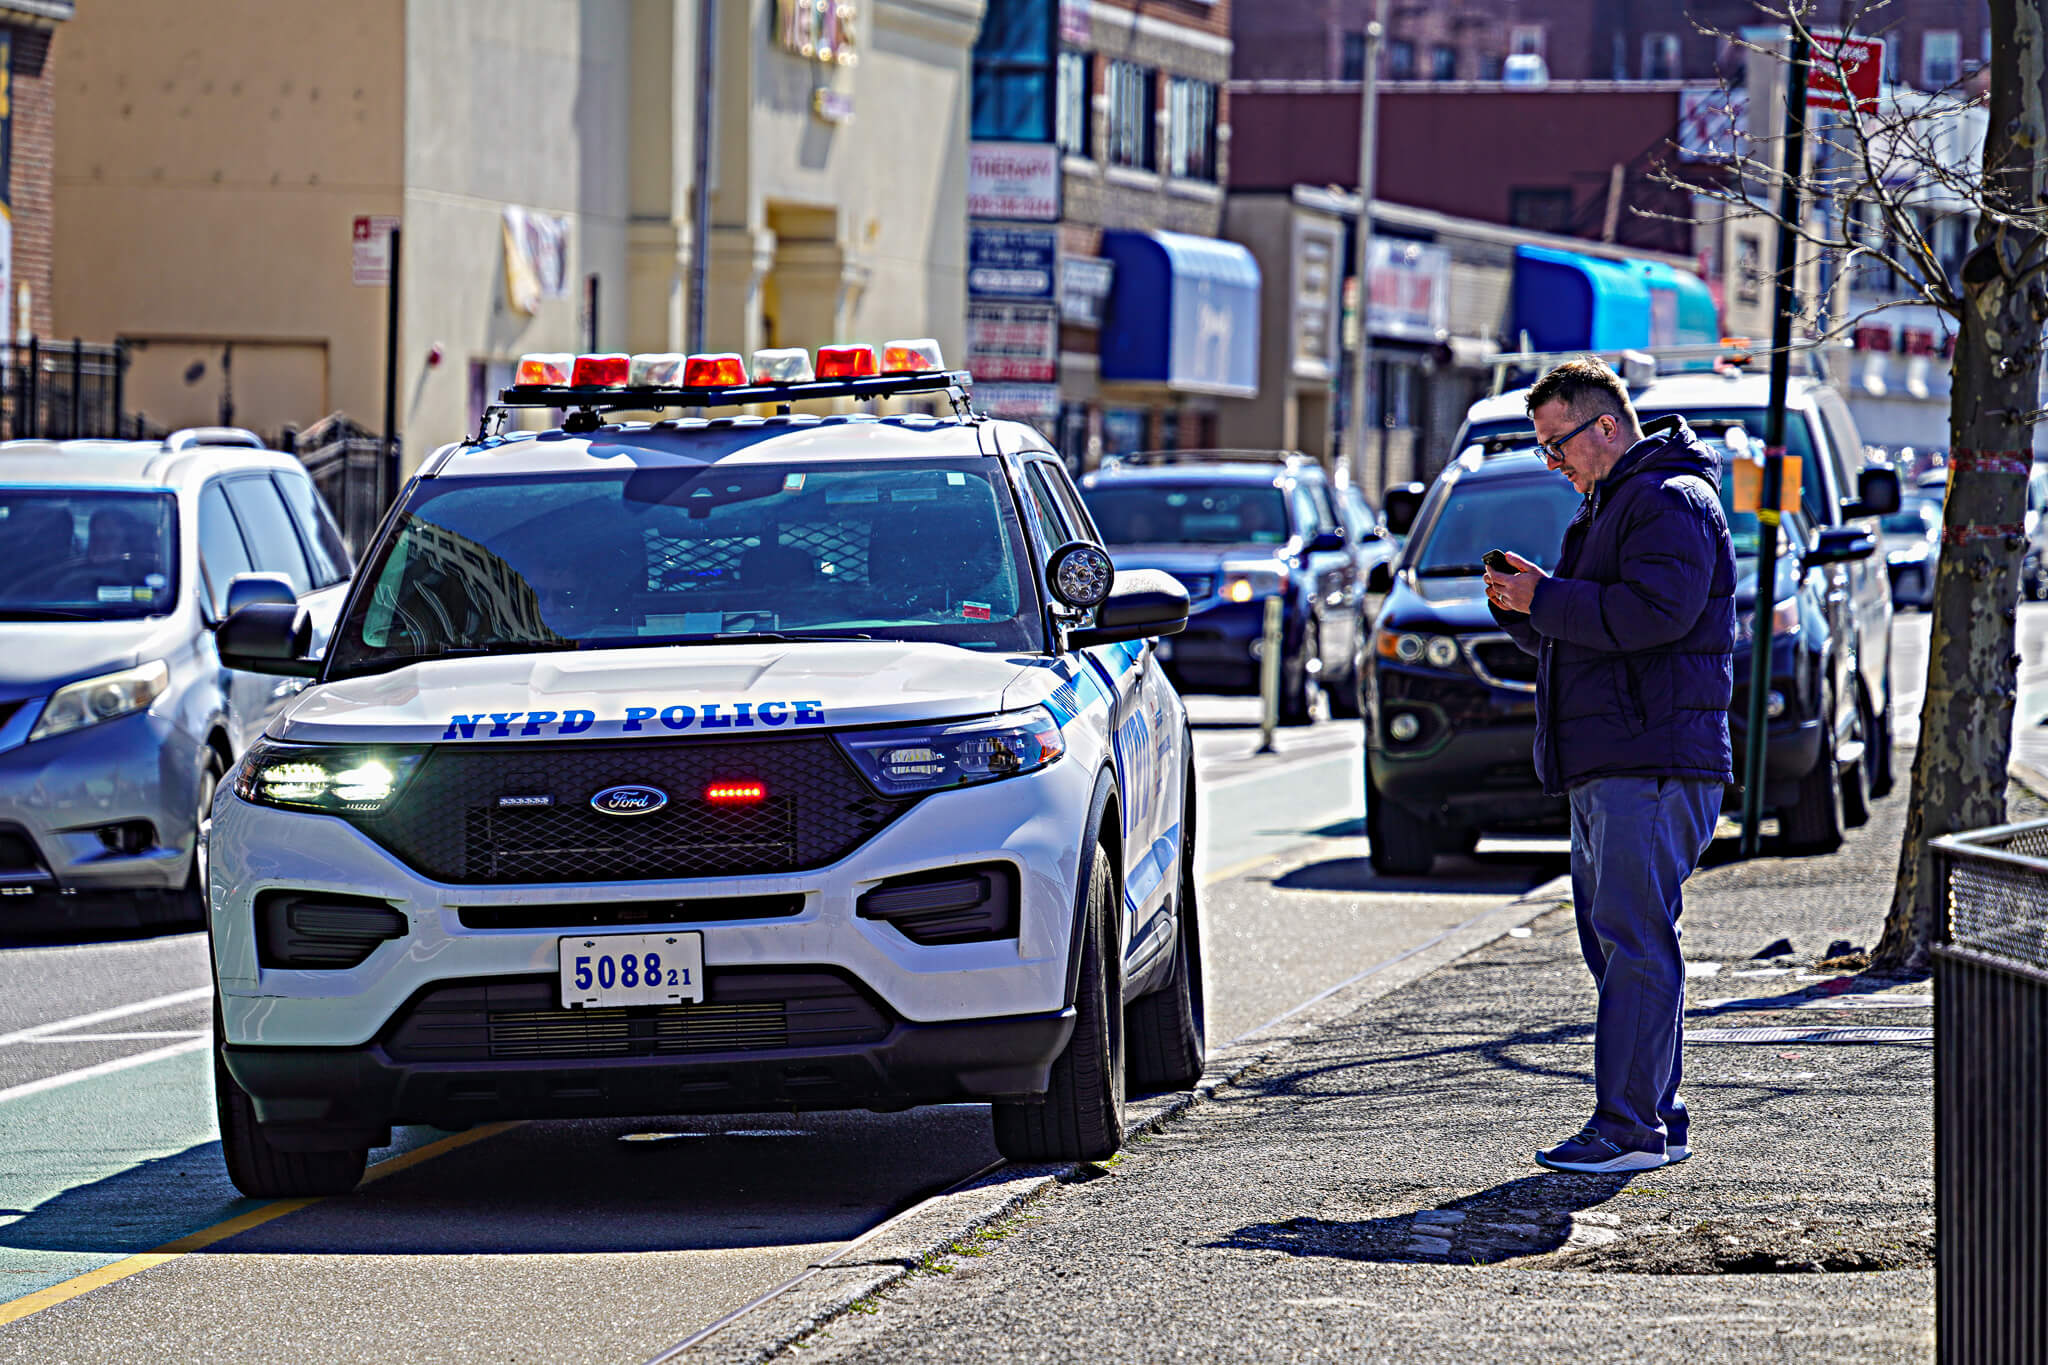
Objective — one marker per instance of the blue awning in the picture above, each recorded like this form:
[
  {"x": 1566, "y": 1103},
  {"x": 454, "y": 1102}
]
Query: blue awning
[
  {"x": 1184, "y": 312},
  {"x": 1569, "y": 302}
]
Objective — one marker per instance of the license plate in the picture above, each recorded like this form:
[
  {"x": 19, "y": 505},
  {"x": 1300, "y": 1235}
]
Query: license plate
[{"x": 608, "y": 970}]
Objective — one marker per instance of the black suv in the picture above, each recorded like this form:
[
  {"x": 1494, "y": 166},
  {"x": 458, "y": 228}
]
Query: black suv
[
  {"x": 1238, "y": 527},
  {"x": 1450, "y": 698}
]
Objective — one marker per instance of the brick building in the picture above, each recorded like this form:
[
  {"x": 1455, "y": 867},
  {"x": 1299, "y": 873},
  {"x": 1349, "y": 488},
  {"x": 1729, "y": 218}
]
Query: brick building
[{"x": 28, "y": 137}]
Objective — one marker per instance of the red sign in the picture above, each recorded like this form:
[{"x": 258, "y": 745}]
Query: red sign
[{"x": 1838, "y": 60}]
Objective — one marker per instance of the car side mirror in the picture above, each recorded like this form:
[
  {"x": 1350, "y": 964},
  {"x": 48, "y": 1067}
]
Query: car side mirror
[
  {"x": 247, "y": 589},
  {"x": 1877, "y": 493},
  {"x": 1322, "y": 542},
  {"x": 1141, "y": 603},
  {"x": 1401, "y": 506},
  {"x": 268, "y": 637},
  {"x": 1839, "y": 545},
  {"x": 1379, "y": 579}
]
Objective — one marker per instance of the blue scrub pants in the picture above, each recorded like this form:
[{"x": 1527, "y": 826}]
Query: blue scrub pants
[{"x": 1634, "y": 842}]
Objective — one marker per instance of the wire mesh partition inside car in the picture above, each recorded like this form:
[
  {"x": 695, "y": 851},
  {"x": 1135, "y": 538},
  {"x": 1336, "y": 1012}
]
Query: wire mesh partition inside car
[{"x": 449, "y": 824}]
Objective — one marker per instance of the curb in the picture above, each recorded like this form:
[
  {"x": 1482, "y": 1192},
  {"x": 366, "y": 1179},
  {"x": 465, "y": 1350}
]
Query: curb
[{"x": 903, "y": 1245}]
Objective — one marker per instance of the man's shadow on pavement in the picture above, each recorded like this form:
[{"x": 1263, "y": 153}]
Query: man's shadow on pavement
[{"x": 1524, "y": 1217}]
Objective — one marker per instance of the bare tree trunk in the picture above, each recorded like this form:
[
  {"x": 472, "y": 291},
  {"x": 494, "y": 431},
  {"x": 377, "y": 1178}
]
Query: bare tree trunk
[{"x": 1959, "y": 772}]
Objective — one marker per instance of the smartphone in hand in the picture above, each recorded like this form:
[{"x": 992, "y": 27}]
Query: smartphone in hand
[{"x": 1497, "y": 560}]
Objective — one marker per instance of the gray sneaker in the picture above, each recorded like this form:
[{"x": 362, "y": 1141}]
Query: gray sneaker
[{"x": 1591, "y": 1154}]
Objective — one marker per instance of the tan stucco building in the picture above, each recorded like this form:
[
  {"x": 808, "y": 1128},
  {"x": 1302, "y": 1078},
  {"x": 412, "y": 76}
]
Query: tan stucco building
[{"x": 213, "y": 158}]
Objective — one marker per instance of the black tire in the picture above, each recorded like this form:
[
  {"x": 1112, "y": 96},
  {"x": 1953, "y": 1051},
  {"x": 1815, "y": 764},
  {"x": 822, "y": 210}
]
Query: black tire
[
  {"x": 1347, "y": 700},
  {"x": 1081, "y": 1117},
  {"x": 259, "y": 1169},
  {"x": 191, "y": 898},
  {"x": 1403, "y": 845},
  {"x": 1883, "y": 774},
  {"x": 1297, "y": 697},
  {"x": 1457, "y": 840},
  {"x": 1813, "y": 823},
  {"x": 1168, "y": 1028},
  {"x": 1855, "y": 779}
]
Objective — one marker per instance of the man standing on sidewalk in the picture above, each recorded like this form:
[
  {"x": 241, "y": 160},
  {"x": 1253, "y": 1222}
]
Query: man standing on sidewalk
[{"x": 1634, "y": 638}]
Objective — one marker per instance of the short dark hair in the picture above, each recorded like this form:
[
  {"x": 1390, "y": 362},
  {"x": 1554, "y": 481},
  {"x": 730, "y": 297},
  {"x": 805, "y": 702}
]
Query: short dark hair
[{"x": 1586, "y": 387}]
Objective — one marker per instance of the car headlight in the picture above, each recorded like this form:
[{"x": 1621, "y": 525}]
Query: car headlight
[
  {"x": 925, "y": 758},
  {"x": 1784, "y": 620},
  {"x": 107, "y": 697},
  {"x": 1916, "y": 553},
  {"x": 338, "y": 779},
  {"x": 1247, "y": 582},
  {"x": 1438, "y": 651}
]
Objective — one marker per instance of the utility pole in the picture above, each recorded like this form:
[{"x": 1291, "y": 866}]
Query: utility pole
[
  {"x": 700, "y": 209},
  {"x": 1368, "y": 146},
  {"x": 391, "y": 452},
  {"x": 1767, "y": 514}
]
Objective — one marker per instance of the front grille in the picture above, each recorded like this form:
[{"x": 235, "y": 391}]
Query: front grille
[
  {"x": 448, "y": 822},
  {"x": 1503, "y": 663},
  {"x": 744, "y": 1010},
  {"x": 607, "y": 913},
  {"x": 1199, "y": 585}
]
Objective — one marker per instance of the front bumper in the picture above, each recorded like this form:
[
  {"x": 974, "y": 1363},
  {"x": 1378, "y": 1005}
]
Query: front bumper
[
  {"x": 351, "y": 1096},
  {"x": 1215, "y": 652},
  {"x": 56, "y": 794}
]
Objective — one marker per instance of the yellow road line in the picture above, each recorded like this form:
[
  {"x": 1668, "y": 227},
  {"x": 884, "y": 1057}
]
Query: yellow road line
[{"x": 29, "y": 1304}]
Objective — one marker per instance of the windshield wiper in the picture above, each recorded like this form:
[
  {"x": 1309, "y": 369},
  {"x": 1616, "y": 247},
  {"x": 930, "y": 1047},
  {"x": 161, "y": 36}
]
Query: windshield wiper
[{"x": 1452, "y": 571}]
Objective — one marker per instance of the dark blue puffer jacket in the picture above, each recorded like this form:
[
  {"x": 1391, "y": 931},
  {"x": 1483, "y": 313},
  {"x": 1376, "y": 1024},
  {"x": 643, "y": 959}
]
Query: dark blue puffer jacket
[{"x": 1635, "y": 633}]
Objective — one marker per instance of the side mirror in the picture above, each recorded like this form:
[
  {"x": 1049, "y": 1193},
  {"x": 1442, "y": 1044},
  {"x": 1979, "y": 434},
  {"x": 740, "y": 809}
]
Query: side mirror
[
  {"x": 1877, "y": 493},
  {"x": 1322, "y": 542},
  {"x": 1402, "y": 506},
  {"x": 1839, "y": 545},
  {"x": 1080, "y": 575},
  {"x": 1379, "y": 579},
  {"x": 268, "y": 637},
  {"x": 1141, "y": 603},
  {"x": 247, "y": 589}
]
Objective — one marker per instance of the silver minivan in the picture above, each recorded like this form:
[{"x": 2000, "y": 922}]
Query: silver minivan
[{"x": 117, "y": 719}]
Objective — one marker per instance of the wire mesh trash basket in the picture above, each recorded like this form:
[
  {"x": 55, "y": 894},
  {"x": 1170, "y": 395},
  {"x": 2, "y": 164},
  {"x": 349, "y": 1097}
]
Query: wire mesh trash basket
[{"x": 1991, "y": 1096}]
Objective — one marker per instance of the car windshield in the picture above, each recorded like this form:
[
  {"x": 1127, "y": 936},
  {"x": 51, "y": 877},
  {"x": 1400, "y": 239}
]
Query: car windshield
[
  {"x": 1524, "y": 515},
  {"x": 87, "y": 554},
  {"x": 898, "y": 549},
  {"x": 1189, "y": 514}
]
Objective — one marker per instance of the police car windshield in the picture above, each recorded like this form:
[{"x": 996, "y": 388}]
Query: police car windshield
[
  {"x": 1526, "y": 515},
  {"x": 87, "y": 554},
  {"x": 899, "y": 549},
  {"x": 1188, "y": 514}
]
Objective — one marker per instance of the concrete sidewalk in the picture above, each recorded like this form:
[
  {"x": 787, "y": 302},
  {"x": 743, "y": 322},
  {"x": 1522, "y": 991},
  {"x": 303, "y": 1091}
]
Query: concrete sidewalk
[{"x": 1368, "y": 1193}]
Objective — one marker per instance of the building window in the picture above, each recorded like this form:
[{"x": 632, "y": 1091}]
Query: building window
[
  {"x": 1940, "y": 54},
  {"x": 1400, "y": 60},
  {"x": 1353, "y": 65},
  {"x": 1490, "y": 66},
  {"x": 1443, "y": 62},
  {"x": 1131, "y": 101},
  {"x": 1526, "y": 40},
  {"x": 1190, "y": 129},
  {"x": 1071, "y": 131},
  {"x": 1541, "y": 209},
  {"x": 1013, "y": 71},
  {"x": 1660, "y": 56}
]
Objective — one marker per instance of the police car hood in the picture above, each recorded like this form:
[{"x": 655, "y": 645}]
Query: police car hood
[{"x": 714, "y": 691}]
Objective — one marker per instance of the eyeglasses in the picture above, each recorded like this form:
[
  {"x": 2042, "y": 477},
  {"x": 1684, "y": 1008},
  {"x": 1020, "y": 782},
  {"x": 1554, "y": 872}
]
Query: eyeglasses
[{"x": 1554, "y": 450}]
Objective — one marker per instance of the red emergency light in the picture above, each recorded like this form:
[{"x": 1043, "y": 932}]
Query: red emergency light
[
  {"x": 735, "y": 793},
  {"x": 846, "y": 362},
  {"x": 600, "y": 371},
  {"x": 724, "y": 371}
]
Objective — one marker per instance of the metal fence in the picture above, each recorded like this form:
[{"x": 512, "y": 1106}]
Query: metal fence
[
  {"x": 1991, "y": 1097},
  {"x": 61, "y": 390},
  {"x": 351, "y": 466}
]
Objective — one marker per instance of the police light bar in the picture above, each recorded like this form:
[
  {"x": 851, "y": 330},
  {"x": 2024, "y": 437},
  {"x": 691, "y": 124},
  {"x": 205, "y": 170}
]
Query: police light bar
[
  {"x": 722, "y": 371},
  {"x": 919, "y": 356},
  {"x": 656, "y": 369},
  {"x": 600, "y": 371},
  {"x": 543, "y": 370},
  {"x": 847, "y": 362},
  {"x": 787, "y": 366}
]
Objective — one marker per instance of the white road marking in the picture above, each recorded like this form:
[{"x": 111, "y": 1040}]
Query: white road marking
[
  {"x": 79, "y": 1021},
  {"x": 136, "y": 1037},
  {"x": 86, "y": 1073}
]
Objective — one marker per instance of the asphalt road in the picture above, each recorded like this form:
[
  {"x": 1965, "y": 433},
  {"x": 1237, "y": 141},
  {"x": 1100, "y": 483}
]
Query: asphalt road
[{"x": 600, "y": 1241}]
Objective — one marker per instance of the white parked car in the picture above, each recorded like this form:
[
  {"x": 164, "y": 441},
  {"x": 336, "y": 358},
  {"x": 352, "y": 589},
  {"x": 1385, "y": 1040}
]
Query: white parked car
[{"x": 723, "y": 765}]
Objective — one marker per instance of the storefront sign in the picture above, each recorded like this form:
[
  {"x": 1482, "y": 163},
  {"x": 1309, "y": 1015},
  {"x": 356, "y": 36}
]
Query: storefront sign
[
  {"x": 1084, "y": 287},
  {"x": 1017, "y": 342},
  {"x": 823, "y": 31},
  {"x": 1031, "y": 402},
  {"x": 1411, "y": 290},
  {"x": 1845, "y": 72},
  {"x": 1012, "y": 263},
  {"x": 1014, "y": 180},
  {"x": 1713, "y": 123},
  {"x": 1315, "y": 299}
]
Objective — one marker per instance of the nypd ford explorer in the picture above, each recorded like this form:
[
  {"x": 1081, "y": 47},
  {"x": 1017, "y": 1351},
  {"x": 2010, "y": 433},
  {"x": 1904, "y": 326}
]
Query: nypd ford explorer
[{"x": 711, "y": 764}]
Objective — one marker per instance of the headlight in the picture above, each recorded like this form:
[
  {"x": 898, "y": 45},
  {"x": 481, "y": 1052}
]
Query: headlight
[
  {"x": 1916, "y": 553},
  {"x": 334, "y": 778},
  {"x": 1247, "y": 582},
  {"x": 108, "y": 697},
  {"x": 1438, "y": 651},
  {"x": 1784, "y": 620},
  {"x": 959, "y": 754}
]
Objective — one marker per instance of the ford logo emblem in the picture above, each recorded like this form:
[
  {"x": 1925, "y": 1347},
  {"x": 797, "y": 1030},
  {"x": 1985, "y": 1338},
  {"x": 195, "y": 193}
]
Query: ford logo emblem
[{"x": 629, "y": 800}]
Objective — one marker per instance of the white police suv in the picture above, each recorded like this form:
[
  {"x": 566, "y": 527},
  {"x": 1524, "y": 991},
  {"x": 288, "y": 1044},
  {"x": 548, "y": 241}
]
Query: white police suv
[{"x": 659, "y": 767}]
